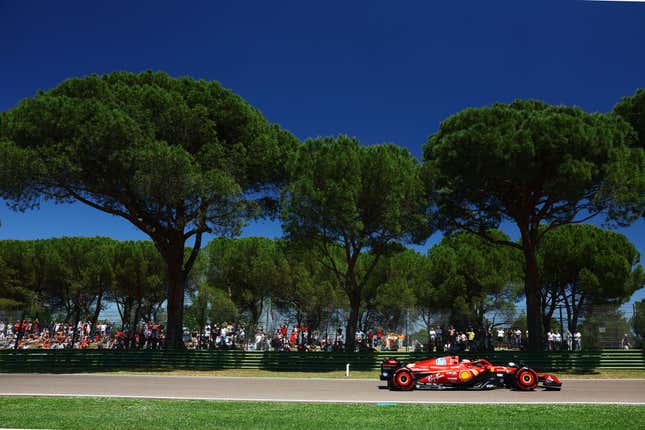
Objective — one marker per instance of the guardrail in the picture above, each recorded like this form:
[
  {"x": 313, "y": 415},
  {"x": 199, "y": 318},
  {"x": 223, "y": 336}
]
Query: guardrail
[{"x": 67, "y": 361}]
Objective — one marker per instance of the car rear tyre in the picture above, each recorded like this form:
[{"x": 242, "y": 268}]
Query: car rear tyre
[
  {"x": 403, "y": 380},
  {"x": 526, "y": 379}
]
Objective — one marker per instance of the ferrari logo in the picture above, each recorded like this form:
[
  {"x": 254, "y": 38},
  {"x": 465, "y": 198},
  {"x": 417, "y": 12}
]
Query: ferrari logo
[{"x": 465, "y": 376}]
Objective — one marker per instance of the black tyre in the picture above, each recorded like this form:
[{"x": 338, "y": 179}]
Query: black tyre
[
  {"x": 526, "y": 379},
  {"x": 402, "y": 380}
]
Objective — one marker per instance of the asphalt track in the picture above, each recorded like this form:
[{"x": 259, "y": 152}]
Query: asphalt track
[{"x": 594, "y": 391}]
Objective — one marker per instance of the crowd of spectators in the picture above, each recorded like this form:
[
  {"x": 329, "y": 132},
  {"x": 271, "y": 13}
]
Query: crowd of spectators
[
  {"x": 472, "y": 339},
  {"x": 30, "y": 334},
  {"x": 556, "y": 341},
  {"x": 226, "y": 335}
]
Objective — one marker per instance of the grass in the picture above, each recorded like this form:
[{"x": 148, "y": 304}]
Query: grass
[
  {"x": 361, "y": 374},
  {"x": 104, "y": 413}
]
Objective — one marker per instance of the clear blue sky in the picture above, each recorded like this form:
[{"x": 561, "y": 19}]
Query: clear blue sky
[{"x": 382, "y": 71}]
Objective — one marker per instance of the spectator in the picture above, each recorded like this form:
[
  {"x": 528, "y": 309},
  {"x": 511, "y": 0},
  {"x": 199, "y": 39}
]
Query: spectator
[
  {"x": 577, "y": 341},
  {"x": 432, "y": 333},
  {"x": 624, "y": 343},
  {"x": 549, "y": 341},
  {"x": 557, "y": 339},
  {"x": 500, "y": 337},
  {"x": 470, "y": 336}
]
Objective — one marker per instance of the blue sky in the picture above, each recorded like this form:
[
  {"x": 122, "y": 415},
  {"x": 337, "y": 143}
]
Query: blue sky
[{"x": 380, "y": 71}]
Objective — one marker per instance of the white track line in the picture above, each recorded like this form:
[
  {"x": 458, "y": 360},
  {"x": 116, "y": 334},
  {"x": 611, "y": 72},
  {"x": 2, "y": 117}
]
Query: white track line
[{"x": 240, "y": 399}]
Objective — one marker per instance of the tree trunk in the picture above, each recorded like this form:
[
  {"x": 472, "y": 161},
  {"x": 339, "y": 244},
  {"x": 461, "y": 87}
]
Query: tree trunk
[
  {"x": 547, "y": 316},
  {"x": 20, "y": 333},
  {"x": 125, "y": 312},
  {"x": 546, "y": 323},
  {"x": 176, "y": 287},
  {"x": 137, "y": 315},
  {"x": 576, "y": 310},
  {"x": 429, "y": 345},
  {"x": 256, "y": 309},
  {"x": 75, "y": 327},
  {"x": 97, "y": 309},
  {"x": 350, "y": 332},
  {"x": 134, "y": 328},
  {"x": 68, "y": 311},
  {"x": 533, "y": 303}
]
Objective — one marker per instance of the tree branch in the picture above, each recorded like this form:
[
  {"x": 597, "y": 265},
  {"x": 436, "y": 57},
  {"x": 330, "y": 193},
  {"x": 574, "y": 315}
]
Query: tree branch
[{"x": 193, "y": 254}]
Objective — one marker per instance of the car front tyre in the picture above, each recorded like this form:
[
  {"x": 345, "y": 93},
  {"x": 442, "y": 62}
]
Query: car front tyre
[{"x": 526, "y": 379}]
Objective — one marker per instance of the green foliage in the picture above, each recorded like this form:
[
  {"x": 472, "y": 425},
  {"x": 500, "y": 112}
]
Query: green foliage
[
  {"x": 478, "y": 281},
  {"x": 139, "y": 280},
  {"x": 485, "y": 165},
  {"x": 343, "y": 191},
  {"x": 74, "y": 276},
  {"x": 87, "y": 273},
  {"x": 632, "y": 110},
  {"x": 209, "y": 304},
  {"x": 520, "y": 322},
  {"x": 531, "y": 163},
  {"x": 160, "y": 151},
  {"x": 71, "y": 275},
  {"x": 391, "y": 291},
  {"x": 175, "y": 157},
  {"x": 12, "y": 294},
  {"x": 604, "y": 328},
  {"x": 356, "y": 198},
  {"x": 312, "y": 292},
  {"x": 583, "y": 265},
  {"x": 249, "y": 270}
]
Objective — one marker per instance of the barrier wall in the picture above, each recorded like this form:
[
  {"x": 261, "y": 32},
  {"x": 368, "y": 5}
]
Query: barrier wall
[{"x": 67, "y": 361}]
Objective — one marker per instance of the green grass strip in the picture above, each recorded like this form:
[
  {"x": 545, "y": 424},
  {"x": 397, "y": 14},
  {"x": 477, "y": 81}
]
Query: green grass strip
[{"x": 105, "y": 413}]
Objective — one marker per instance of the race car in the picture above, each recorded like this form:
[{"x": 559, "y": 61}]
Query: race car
[{"x": 451, "y": 373}]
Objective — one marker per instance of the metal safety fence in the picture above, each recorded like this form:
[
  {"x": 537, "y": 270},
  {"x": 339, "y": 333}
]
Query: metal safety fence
[{"x": 72, "y": 361}]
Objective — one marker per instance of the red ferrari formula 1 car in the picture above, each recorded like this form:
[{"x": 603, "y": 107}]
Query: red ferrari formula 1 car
[{"x": 451, "y": 373}]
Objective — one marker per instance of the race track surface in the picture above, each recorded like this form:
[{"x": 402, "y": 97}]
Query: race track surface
[{"x": 304, "y": 390}]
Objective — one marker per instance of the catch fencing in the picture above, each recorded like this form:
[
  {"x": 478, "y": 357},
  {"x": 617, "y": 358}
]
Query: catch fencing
[{"x": 73, "y": 361}]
